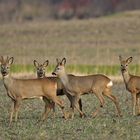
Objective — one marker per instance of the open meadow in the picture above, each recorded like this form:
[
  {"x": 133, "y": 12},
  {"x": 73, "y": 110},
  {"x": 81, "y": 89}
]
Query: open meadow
[
  {"x": 90, "y": 46},
  {"x": 105, "y": 126},
  {"x": 92, "y": 42}
]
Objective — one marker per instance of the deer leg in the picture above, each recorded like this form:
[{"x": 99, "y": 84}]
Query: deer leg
[
  {"x": 134, "y": 103},
  {"x": 60, "y": 103},
  {"x": 101, "y": 99},
  {"x": 46, "y": 112},
  {"x": 53, "y": 106},
  {"x": 75, "y": 102},
  {"x": 108, "y": 93},
  {"x": 47, "y": 108},
  {"x": 71, "y": 99},
  {"x": 16, "y": 108},
  {"x": 50, "y": 105},
  {"x": 80, "y": 104},
  {"x": 138, "y": 105},
  {"x": 12, "y": 111},
  {"x": 72, "y": 107}
]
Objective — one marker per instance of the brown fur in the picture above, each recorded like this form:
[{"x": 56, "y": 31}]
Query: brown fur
[
  {"x": 79, "y": 85},
  {"x": 19, "y": 89},
  {"x": 40, "y": 70},
  {"x": 132, "y": 83}
]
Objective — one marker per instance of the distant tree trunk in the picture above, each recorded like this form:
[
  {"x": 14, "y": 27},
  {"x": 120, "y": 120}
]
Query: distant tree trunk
[{"x": 18, "y": 15}]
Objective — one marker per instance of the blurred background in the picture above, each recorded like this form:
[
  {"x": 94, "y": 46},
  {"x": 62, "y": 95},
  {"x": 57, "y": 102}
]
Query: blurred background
[
  {"x": 20, "y": 10},
  {"x": 91, "y": 34}
]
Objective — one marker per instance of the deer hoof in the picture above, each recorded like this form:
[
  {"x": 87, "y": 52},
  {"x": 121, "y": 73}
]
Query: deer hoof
[
  {"x": 83, "y": 115},
  {"x": 138, "y": 114},
  {"x": 67, "y": 115},
  {"x": 101, "y": 105},
  {"x": 95, "y": 114},
  {"x": 120, "y": 115}
]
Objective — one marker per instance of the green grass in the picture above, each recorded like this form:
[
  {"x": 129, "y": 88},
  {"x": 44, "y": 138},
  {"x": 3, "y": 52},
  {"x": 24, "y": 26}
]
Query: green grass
[
  {"x": 90, "y": 46},
  {"x": 113, "y": 70},
  {"x": 104, "y": 126}
]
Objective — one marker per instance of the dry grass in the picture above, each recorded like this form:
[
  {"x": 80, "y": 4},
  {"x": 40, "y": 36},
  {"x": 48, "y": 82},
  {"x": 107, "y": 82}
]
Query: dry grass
[
  {"x": 93, "y": 41},
  {"x": 105, "y": 126}
]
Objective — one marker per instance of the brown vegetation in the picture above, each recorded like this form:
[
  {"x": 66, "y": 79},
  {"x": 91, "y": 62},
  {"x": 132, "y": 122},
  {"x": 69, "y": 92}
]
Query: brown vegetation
[{"x": 21, "y": 10}]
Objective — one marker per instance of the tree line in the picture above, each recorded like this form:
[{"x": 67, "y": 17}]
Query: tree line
[{"x": 20, "y": 10}]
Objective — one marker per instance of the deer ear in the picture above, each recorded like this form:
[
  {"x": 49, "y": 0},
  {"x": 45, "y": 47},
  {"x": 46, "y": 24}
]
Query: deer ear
[
  {"x": 45, "y": 64},
  {"x": 120, "y": 57},
  {"x": 36, "y": 64},
  {"x": 63, "y": 62},
  {"x": 58, "y": 61},
  {"x": 1, "y": 59},
  {"x": 129, "y": 59},
  {"x": 10, "y": 60}
]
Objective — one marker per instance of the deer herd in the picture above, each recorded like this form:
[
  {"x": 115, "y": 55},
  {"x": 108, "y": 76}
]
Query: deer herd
[{"x": 50, "y": 88}]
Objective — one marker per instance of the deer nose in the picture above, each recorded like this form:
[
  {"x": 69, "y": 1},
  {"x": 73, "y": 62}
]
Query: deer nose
[
  {"x": 4, "y": 73},
  {"x": 53, "y": 73},
  {"x": 123, "y": 69},
  {"x": 41, "y": 72}
]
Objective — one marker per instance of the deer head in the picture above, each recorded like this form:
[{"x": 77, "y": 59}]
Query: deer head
[
  {"x": 124, "y": 63},
  {"x": 5, "y": 65},
  {"x": 60, "y": 67},
  {"x": 40, "y": 68}
]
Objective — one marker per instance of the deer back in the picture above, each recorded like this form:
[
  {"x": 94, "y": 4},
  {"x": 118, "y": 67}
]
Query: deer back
[
  {"x": 87, "y": 83},
  {"x": 31, "y": 88}
]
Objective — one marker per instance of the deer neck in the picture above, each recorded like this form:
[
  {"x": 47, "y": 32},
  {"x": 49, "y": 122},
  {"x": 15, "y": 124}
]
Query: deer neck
[
  {"x": 126, "y": 76},
  {"x": 64, "y": 79},
  {"x": 8, "y": 81}
]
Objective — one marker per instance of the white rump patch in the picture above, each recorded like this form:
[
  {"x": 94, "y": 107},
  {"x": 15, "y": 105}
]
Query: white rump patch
[
  {"x": 110, "y": 84},
  {"x": 41, "y": 98}
]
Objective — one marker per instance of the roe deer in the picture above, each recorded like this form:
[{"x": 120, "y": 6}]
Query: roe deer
[
  {"x": 132, "y": 83},
  {"x": 40, "y": 70},
  {"x": 77, "y": 85},
  {"x": 19, "y": 89}
]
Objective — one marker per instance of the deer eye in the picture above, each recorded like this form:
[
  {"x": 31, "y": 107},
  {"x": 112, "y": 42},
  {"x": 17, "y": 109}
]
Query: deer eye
[
  {"x": 2, "y": 66},
  {"x": 58, "y": 68}
]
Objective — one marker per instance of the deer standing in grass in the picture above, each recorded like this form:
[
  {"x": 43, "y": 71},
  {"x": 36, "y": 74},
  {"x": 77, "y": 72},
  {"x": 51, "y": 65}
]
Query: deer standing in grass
[
  {"x": 19, "y": 89},
  {"x": 77, "y": 85},
  {"x": 132, "y": 83},
  {"x": 40, "y": 70}
]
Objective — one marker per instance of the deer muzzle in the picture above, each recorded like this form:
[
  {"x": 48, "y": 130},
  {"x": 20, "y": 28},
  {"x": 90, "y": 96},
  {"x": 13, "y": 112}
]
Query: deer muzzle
[
  {"x": 53, "y": 73},
  {"x": 4, "y": 73}
]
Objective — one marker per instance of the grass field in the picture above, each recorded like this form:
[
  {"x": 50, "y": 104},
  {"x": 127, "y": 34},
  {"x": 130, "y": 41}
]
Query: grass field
[
  {"x": 112, "y": 70},
  {"x": 105, "y": 126},
  {"x": 91, "y": 42},
  {"x": 90, "y": 46}
]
